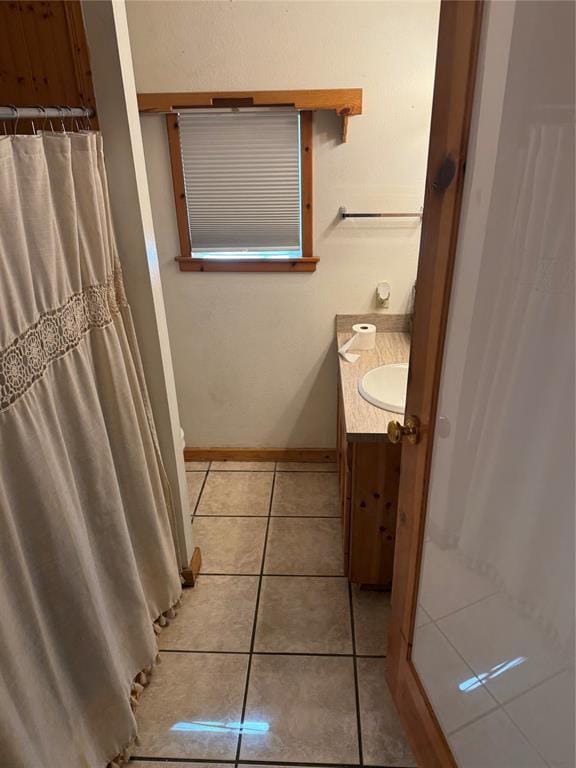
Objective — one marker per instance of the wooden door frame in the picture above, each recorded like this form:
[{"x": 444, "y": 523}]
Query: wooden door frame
[{"x": 457, "y": 53}]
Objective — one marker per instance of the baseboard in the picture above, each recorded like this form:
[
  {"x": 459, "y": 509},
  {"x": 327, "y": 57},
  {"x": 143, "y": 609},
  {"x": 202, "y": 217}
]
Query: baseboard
[{"x": 320, "y": 455}]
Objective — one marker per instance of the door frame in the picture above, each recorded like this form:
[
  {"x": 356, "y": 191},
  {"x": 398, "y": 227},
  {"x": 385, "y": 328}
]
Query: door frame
[{"x": 455, "y": 75}]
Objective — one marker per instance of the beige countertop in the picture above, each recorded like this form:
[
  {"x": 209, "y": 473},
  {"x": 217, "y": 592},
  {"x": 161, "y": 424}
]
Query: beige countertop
[{"x": 364, "y": 421}]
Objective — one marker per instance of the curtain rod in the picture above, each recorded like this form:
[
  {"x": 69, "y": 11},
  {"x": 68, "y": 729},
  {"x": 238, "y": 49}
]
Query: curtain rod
[{"x": 39, "y": 113}]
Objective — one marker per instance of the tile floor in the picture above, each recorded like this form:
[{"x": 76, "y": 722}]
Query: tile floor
[{"x": 273, "y": 659}]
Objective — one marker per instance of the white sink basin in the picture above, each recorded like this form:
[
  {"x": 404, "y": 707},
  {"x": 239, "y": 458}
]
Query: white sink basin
[{"x": 385, "y": 387}]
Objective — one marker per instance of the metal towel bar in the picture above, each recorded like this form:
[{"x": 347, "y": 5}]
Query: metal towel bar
[{"x": 345, "y": 214}]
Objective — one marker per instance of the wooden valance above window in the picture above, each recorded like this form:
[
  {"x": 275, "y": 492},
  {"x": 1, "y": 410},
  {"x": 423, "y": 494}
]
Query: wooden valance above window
[{"x": 346, "y": 102}]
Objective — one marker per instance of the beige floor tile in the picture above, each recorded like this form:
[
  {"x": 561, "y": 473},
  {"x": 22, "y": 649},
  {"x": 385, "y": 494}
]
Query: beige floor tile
[
  {"x": 313, "y": 494},
  {"x": 194, "y": 481},
  {"x": 236, "y": 493},
  {"x": 217, "y": 615},
  {"x": 306, "y": 466},
  {"x": 308, "y": 704},
  {"x": 196, "y": 466},
  {"x": 371, "y": 621},
  {"x": 230, "y": 544},
  {"x": 243, "y": 466},
  {"x": 307, "y": 546},
  {"x": 188, "y": 691},
  {"x": 303, "y": 615},
  {"x": 383, "y": 739},
  {"x": 179, "y": 764}
]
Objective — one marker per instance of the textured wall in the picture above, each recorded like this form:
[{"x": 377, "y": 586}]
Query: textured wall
[{"x": 253, "y": 354}]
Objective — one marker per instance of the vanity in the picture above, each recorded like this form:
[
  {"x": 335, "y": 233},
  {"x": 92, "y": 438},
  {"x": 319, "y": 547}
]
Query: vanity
[{"x": 368, "y": 463}]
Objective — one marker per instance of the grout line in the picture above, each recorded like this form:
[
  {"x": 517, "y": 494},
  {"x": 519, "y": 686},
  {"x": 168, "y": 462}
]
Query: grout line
[
  {"x": 307, "y": 471},
  {"x": 205, "y": 653},
  {"x": 199, "y": 496},
  {"x": 298, "y": 517},
  {"x": 182, "y": 760},
  {"x": 313, "y": 765},
  {"x": 279, "y": 575},
  {"x": 464, "y": 661},
  {"x": 464, "y": 607},
  {"x": 246, "y": 471},
  {"x": 270, "y": 471},
  {"x": 475, "y": 719},
  {"x": 256, "y": 607},
  {"x": 356, "y": 688},
  {"x": 224, "y": 761},
  {"x": 270, "y": 653}
]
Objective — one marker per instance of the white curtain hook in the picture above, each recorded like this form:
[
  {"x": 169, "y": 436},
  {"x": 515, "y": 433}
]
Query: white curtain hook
[
  {"x": 86, "y": 121},
  {"x": 17, "y": 113},
  {"x": 71, "y": 116},
  {"x": 43, "y": 109}
]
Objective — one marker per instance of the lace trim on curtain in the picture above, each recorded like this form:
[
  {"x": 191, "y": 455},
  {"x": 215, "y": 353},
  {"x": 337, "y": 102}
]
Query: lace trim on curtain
[{"x": 26, "y": 359}]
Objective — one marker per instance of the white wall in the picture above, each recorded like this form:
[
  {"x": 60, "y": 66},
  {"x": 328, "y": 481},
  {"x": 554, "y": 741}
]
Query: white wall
[
  {"x": 107, "y": 35},
  {"x": 253, "y": 354}
]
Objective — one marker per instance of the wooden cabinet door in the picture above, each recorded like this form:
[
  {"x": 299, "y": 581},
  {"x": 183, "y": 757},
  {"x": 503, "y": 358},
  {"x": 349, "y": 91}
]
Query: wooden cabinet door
[{"x": 373, "y": 506}]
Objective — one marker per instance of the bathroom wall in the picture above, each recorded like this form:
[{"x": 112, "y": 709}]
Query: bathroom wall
[
  {"x": 107, "y": 35},
  {"x": 253, "y": 354},
  {"x": 494, "y": 638}
]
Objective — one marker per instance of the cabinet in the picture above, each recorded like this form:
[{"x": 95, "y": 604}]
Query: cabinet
[{"x": 369, "y": 473}]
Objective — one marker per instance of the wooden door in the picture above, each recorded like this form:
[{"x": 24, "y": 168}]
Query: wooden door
[{"x": 458, "y": 38}]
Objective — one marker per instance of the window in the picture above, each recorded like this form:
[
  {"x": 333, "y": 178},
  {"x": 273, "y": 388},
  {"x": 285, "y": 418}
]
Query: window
[{"x": 243, "y": 185}]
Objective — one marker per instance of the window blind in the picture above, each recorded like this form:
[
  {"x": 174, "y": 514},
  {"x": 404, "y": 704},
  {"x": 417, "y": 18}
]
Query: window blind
[{"x": 242, "y": 182}]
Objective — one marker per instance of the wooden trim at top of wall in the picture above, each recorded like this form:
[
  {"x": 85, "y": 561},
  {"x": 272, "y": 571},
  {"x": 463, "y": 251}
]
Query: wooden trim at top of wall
[
  {"x": 344, "y": 101},
  {"x": 316, "y": 455}
]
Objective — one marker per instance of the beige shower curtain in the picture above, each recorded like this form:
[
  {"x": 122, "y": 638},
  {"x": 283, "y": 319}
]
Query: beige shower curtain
[{"x": 86, "y": 554}]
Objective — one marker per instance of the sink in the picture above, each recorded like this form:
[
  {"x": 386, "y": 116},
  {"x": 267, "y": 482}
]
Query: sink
[{"x": 385, "y": 387}]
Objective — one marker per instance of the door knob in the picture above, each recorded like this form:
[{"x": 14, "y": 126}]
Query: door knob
[{"x": 411, "y": 430}]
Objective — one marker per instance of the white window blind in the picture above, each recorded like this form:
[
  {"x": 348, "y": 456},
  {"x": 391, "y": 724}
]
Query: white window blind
[{"x": 242, "y": 182}]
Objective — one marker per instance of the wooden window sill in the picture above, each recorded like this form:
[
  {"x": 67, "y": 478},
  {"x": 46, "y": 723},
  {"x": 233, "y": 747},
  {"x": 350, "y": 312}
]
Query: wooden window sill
[{"x": 303, "y": 264}]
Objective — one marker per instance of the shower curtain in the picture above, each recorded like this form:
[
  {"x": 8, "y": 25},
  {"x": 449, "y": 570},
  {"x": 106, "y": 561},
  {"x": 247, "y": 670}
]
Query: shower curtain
[{"x": 87, "y": 561}]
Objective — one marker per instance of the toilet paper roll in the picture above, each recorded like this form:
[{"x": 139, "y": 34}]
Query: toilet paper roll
[{"x": 364, "y": 338}]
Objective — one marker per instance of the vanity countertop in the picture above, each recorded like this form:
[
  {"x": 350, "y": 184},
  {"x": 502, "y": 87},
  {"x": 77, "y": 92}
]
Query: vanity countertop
[{"x": 364, "y": 421}]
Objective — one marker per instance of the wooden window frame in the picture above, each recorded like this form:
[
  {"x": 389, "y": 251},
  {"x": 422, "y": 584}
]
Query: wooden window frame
[{"x": 188, "y": 263}]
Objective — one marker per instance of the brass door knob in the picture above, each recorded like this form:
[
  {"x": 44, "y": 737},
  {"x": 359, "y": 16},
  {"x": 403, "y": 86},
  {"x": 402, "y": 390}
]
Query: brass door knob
[{"x": 411, "y": 430}]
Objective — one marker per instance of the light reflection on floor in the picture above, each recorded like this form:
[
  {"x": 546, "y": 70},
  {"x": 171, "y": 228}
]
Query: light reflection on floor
[
  {"x": 474, "y": 682},
  {"x": 252, "y": 728}
]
